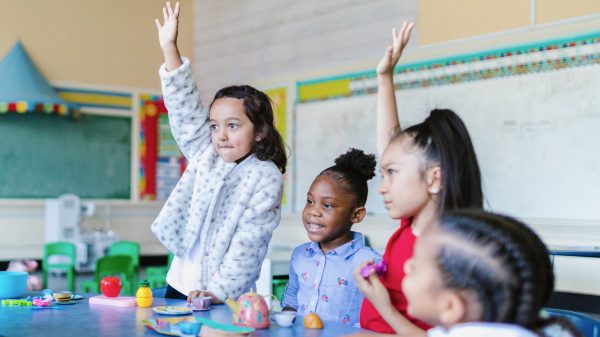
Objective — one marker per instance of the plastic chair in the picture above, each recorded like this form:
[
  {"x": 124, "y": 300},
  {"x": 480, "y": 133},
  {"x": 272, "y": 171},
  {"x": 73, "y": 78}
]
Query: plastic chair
[
  {"x": 157, "y": 275},
  {"x": 116, "y": 265},
  {"x": 279, "y": 283},
  {"x": 587, "y": 325},
  {"x": 63, "y": 249},
  {"x": 131, "y": 249}
]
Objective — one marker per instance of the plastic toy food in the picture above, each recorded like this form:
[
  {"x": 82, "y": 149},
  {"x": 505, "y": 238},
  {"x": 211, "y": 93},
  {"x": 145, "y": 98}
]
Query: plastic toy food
[
  {"x": 380, "y": 267},
  {"x": 143, "y": 295},
  {"x": 313, "y": 321},
  {"x": 110, "y": 286}
]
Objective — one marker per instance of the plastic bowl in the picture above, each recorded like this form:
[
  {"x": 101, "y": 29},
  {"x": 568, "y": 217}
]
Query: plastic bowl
[
  {"x": 12, "y": 284},
  {"x": 188, "y": 328},
  {"x": 284, "y": 318}
]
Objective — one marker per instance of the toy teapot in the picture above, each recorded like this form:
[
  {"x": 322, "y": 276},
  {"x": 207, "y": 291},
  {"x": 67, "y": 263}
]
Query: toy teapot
[{"x": 250, "y": 310}]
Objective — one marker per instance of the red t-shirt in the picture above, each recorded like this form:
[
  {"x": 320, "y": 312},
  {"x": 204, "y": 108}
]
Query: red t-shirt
[{"x": 398, "y": 250}]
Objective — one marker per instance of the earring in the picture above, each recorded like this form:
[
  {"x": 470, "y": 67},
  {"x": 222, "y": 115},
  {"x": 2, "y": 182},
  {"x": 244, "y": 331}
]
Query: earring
[{"x": 258, "y": 139}]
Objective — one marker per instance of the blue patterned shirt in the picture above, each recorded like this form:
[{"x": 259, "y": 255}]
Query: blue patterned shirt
[{"x": 324, "y": 284}]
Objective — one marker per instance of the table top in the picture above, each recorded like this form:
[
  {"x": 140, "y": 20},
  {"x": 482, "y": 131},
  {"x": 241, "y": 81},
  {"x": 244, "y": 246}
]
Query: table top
[{"x": 84, "y": 319}]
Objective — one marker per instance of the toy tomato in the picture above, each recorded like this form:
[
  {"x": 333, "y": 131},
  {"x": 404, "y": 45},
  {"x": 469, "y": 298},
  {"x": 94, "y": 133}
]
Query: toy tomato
[{"x": 110, "y": 286}]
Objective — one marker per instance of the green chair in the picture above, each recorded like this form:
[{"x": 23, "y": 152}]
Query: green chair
[
  {"x": 157, "y": 275},
  {"x": 279, "y": 283},
  {"x": 115, "y": 265},
  {"x": 60, "y": 249},
  {"x": 131, "y": 249}
]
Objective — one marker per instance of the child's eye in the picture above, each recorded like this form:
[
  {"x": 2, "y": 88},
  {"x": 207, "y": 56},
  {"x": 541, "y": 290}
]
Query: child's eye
[
  {"x": 328, "y": 206},
  {"x": 213, "y": 126},
  {"x": 232, "y": 126},
  {"x": 309, "y": 202},
  {"x": 390, "y": 172}
]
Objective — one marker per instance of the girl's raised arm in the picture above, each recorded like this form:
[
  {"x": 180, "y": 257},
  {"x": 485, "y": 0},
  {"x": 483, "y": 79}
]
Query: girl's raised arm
[
  {"x": 167, "y": 36},
  {"x": 387, "y": 114}
]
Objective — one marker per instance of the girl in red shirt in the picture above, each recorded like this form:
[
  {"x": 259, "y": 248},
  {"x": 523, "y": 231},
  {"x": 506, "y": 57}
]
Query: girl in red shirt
[{"x": 427, "y": 168}]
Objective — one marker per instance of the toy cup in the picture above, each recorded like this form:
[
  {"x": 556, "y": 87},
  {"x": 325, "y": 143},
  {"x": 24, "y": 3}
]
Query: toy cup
[
  {"x": 201, "y": 303},
  {"x": 284, "y": 318},
  {"x": 189, "y": 329}
]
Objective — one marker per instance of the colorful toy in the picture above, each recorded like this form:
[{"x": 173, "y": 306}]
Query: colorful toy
[
  {"x": 313, "y": 321},
  {"x": 40, "y": 302},
  {"x": 16, "y": 303},
  {"x": 143, "y": 295},
  {"x": 250, "y": 310},
  {"x": 110, "y": 286},
  {"x": 379, "y": 267}
]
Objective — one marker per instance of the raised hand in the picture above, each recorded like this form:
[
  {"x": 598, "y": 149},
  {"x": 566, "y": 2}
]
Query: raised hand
[
  {"x": 167, "y": 36},
  {"x": 393, "y": 52},
  {"x": 167, "y": 32}
]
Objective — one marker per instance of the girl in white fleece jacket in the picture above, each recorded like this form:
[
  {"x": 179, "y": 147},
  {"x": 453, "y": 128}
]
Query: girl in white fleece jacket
[{"x": 220, "y": 216}]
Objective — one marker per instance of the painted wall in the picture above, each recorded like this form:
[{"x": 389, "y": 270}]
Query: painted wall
[
  {"x": 107, "y": 42},
  {"x": 443, "y": 21}
]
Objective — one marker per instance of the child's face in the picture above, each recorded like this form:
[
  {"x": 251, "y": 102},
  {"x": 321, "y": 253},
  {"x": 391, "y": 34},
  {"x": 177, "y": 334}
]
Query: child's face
[
  {"x": 404, "y": 186},
  {"x": 231, "y": 132},
  {"x": 422, "y": 284},
  {"x": 329, "y": 213}
]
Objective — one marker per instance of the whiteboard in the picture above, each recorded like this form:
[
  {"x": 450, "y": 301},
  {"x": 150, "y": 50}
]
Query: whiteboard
[{"x": 537, "y": 138}]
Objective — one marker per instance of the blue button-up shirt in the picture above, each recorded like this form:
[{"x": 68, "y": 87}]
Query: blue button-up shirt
[{"x": 324, "y": 284}]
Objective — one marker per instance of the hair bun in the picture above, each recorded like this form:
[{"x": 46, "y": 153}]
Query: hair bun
[{"x": 364, "y": 164}]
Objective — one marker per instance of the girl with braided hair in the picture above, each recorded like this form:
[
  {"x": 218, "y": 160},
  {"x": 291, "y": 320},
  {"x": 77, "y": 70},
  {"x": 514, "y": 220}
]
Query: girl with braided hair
[{"x": 481, "y": 274}]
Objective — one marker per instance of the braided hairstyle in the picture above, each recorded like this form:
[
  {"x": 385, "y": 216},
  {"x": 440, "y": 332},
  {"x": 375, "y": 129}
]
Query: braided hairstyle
[
  {"x": 444, "y": 140},
  {"x": 503, "y": 263},
  {"x": 352, "y": 170}
]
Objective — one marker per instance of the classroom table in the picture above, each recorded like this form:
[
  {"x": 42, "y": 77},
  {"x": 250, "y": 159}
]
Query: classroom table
[{"x": 83, "y": 319}]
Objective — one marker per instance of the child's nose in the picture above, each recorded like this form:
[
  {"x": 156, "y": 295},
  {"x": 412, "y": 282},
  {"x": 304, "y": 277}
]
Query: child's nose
[
  {"x": 382, "y": 188},
  {"x": 314, "y": 211},
  {"x": 408, "y": 266},
  {"x": 222, "y": 134}
]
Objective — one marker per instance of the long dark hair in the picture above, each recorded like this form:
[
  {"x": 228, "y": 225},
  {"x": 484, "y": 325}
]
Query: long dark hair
[
  {"x": 503, "y": 263},
  {"x": 353, "y": 169},
  {"x": 259, "y": 110},
  {"x": 444, "y": 140}
]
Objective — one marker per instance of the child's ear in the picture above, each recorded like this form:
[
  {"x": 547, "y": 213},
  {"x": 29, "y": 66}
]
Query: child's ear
[
  {"x": 453, "y": 308},
  {"x": 358, "y": 214},
  {"x": 260, "y": 134},
  {"x": 434, "y": 180}
]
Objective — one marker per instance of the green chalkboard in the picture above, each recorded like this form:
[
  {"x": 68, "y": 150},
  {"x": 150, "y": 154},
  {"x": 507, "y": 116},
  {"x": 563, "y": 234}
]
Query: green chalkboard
[{"x": 45, "y": 156}]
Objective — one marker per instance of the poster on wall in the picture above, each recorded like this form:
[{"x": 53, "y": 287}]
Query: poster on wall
[
  {"x": 278, "y": 98},
  {"x": 161, "y": 162}
]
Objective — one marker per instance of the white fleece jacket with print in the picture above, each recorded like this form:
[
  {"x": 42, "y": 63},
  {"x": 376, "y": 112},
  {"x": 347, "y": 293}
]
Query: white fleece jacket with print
[{"x": 229, "y": 209}]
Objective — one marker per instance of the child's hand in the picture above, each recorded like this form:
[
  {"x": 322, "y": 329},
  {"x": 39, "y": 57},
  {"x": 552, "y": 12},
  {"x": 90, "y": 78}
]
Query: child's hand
[
  {"x": 167, "y": 32},
  {"x": 202, "y": 293},
  {"x": 393, "y": 52},
  {"x": 372, "y": 287}
]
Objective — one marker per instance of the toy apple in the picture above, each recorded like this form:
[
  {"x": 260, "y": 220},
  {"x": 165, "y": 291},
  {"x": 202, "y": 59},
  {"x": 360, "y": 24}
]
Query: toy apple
[{"x": 110, "y": 286}]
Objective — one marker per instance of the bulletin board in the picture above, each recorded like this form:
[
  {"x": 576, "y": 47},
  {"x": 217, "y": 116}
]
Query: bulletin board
[{"x": 161, "y": 161}]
